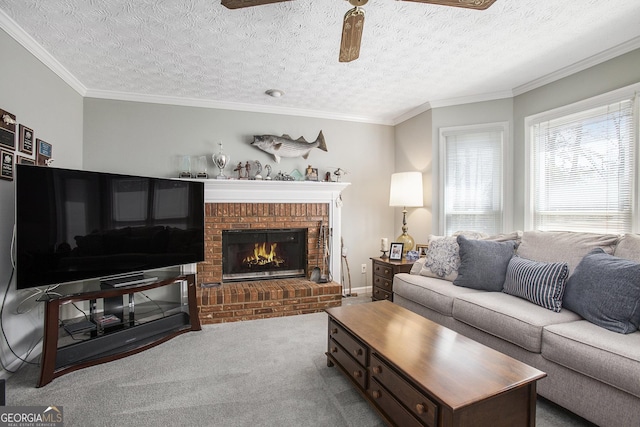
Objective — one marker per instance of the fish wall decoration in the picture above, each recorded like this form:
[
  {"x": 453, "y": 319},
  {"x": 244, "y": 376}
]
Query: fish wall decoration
[{"x": 285, "y": 146}]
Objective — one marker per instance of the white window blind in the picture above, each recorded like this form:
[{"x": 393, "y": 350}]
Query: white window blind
[
  {"x": 472, "y": 166},
  {"x": 583, "y": 167}
]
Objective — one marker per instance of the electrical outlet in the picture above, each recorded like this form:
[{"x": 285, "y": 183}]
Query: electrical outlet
[{"x": 364, "y": 268}]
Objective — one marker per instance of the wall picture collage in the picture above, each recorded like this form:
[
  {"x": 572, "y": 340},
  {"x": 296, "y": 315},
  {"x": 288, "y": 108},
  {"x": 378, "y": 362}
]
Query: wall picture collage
[{"x": 18, "y": 145}]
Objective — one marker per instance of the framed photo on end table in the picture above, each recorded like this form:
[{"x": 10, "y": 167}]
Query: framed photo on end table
[
  {"x": 395, "y": 254},
  {"x": 422, "y": 249}
]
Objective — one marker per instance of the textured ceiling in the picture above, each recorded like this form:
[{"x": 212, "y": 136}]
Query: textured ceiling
[{"x": 412, "y": 54}]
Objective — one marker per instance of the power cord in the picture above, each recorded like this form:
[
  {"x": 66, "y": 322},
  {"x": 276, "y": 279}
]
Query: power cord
[{"x": 4, "y": 335}]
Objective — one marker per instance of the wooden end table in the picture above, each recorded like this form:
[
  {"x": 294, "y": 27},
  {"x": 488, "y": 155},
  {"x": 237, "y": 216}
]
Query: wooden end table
[
  {"x": 415, "y": 372},
  {"x": 382, "y": 272}
]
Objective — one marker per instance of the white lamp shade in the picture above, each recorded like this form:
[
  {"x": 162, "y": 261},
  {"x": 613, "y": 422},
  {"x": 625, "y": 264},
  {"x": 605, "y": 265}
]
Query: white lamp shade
[{"x": 406, "y": 189}]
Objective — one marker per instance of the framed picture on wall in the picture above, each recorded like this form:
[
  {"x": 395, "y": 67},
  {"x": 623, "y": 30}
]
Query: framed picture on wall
[
  {"x": 45, "y": 150},
  {"x": 21, "y": 160},
  {"x": 7, "y": 130},
  {"x": 6, "y": 165},
  {"x": 395, "y": 254},
  {"x": 25, "y": 140}
]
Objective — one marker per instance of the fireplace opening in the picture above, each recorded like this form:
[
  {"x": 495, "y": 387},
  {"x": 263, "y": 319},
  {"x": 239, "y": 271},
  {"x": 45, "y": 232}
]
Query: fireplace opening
[{"x": 259, "y": 254}]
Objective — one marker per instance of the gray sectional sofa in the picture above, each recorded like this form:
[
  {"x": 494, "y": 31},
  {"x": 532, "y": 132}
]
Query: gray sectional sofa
[{"x": 592, "y": 366}]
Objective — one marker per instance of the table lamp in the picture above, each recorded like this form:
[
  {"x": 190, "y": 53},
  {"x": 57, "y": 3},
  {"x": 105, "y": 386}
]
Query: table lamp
[{"x": 406, "y": 191}]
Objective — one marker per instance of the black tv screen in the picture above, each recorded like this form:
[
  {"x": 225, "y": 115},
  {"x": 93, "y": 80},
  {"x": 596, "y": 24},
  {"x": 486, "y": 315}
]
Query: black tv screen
[{"x": 74, "y": 225}]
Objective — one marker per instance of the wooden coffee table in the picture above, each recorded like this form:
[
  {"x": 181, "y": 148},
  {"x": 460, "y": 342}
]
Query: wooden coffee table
[{"x": 415, "y": 372}]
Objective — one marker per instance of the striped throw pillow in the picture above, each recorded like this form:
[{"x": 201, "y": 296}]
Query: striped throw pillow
[{"x": 539, "y": 282}]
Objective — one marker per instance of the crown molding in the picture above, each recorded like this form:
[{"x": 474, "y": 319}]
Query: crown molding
[
  {"x": 582, "y": 65},
  {"x": 29, "y": 43},
  {"x": 412, "y": 113},
  {"x": 236, "y": 106},
  {"x": 452, "y": 102}
]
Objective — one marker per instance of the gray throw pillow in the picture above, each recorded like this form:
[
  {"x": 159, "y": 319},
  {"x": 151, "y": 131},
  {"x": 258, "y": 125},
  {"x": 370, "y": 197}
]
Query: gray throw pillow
[
  {"x": 539, "y": 282},
  {"x": 605, "y": 290},
  {"x": 483, "y": 263}
]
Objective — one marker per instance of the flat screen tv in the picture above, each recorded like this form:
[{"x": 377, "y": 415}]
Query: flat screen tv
[{"x": 74, "y": 225}]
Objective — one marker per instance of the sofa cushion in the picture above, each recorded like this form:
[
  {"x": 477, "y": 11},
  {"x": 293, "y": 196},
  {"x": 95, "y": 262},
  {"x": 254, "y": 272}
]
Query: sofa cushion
[
  {"x": 483, "y": 263},
  {"x": 435, "y": 294},
  {"x": 629, "y": 247},
  {"x": 596, "y": 352},
  {"x": 539, "y": 282},
  {"x": 605, "y": 290},
  {"x": 508, "y": 317},
  {"x": 566, "y": 246},
  {"x": 442, "y": 260}
]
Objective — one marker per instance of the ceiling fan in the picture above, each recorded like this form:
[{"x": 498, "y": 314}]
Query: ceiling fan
[{"x": 353, "y": 22}]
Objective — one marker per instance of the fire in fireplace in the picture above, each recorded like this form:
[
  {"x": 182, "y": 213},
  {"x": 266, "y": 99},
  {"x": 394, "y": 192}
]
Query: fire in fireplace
[{"x": 258, "y": 254}]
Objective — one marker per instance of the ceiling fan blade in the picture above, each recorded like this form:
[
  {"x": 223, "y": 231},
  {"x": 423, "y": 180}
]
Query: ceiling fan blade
[
  {"x": 470, "y": 4},
  {"x": 238, "y": 4},
  {"x": 351, "y": 35}
]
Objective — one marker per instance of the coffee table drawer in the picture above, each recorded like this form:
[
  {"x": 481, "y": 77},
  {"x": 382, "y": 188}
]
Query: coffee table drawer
[
  {"x": 352, "y": 345},
  {"x": 357, "y": 372},
  {"x": 417, "y": 402},
  {"x": 391, "y": 408}
]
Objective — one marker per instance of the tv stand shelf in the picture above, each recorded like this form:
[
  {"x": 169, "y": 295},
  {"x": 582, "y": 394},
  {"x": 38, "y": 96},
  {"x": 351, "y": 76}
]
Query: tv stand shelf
[{"x": 138, "y": 321}]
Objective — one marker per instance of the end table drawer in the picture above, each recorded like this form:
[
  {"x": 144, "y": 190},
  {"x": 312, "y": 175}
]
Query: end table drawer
[
  {"x": 382, "y": 282},
  {"x": 379, "y": 294},
  {"x": 352, "y": 368},
  {"x": 353, "y": 346},
  {"x": 383, "y": 270},
  {"x": 420, "y": 405},
  {"x": 394, "y": 410}
]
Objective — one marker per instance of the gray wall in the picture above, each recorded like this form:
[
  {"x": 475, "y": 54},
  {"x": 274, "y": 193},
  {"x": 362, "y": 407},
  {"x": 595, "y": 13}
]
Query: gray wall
[
  {"x": 142, "y": 138},
  {"x": 414, "y": 153},
  {"x": 42, "y": 101}
]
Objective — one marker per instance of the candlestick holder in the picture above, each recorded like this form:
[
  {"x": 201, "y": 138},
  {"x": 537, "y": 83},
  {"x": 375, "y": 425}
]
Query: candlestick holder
[{"x": 384, "y": 255}]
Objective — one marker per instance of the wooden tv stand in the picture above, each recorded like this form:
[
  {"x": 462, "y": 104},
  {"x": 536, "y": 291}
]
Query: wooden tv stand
[
  {"x": 415, "y": 372},
  {"x": 78, "y": 342}
]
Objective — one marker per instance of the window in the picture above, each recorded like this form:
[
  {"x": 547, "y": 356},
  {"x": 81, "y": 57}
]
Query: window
[
  {"x": 472, "y": 177},
  {"x": 583, "y": 166}
]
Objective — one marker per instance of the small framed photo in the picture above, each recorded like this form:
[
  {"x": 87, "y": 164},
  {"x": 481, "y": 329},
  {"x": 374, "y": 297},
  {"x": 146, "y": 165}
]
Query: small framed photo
[
  {"x": 6, "y": 161},
  {"x": 395, "y": 254},
  {"x": 311, "y": 174},
  {"x": 25, "y": 140},
  {"x": 422, "y": 249},
  {"x": 21, "y": 160},
  {"x": 44, "y": 152}
]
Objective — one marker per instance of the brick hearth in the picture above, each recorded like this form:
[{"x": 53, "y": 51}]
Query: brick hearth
[
  {"x": 264, "y": 298},
  {"x": 232, "y": 302}
]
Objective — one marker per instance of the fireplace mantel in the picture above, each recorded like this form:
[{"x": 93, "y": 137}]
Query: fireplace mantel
[
  {"x": 246, "y": 191},
  {"x": 229, "y": 191}
]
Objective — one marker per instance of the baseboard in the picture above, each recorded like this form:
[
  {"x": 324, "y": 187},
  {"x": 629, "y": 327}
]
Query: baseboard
[{"x": 360, "y": 291}]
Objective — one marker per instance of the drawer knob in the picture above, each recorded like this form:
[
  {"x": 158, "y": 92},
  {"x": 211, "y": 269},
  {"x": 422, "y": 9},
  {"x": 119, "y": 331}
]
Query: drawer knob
[
  {"x": 357, "y": 374},
  {"x": 377, "y": 369},
  {"x": 334, "y": 331},
  {"x": 334, "y": 349},
  {"x": 376, "y": 394},
  {"x": 357, "y": 352},
  {"x": 386, "y": 296},
  {"x": 421, "y": 409},
  {"x": 386, "y": 271}
]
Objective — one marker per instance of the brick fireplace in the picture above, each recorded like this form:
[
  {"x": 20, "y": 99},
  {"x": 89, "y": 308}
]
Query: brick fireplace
[{"x": 241, "y": 205}]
